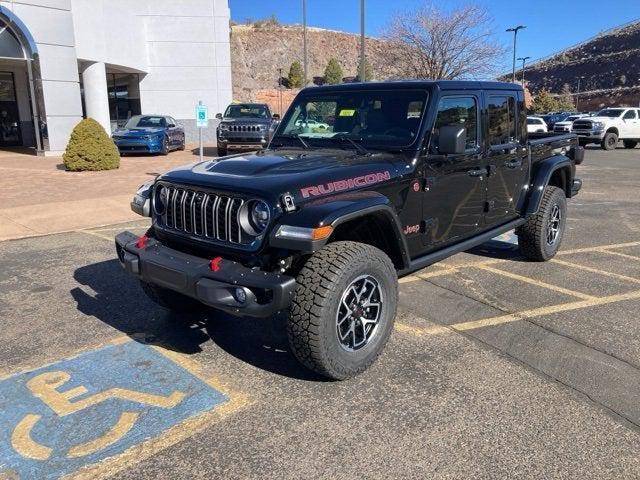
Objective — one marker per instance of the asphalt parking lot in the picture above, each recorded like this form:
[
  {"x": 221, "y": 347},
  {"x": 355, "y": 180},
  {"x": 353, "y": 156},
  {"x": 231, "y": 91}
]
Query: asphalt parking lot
[{"x": 498, "y": 368}]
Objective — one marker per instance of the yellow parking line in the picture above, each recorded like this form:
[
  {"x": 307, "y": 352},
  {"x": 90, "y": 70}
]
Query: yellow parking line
[
  {"x": 538, "y": 312},
  {"x": 517, "y": 316},
  {"x": 94, "y": 234},
  {"x": 426, "y": 276},
  {"x": 596, "y": 270},
  {"x": 598, "y": 248},
  {"x": 618, "y": 254},
  {"x": 537, "y": 283}
]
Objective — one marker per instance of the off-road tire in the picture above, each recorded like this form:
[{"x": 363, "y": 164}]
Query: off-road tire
[
  {"x": 222, "y": 151},
  {"x": 321, "y": 284},
  {"x": 630, "y": 143},
  {"x": 174, "y": 301},
  {"x": 532, "y": 236},
  {"x": 610, "y": 141}
]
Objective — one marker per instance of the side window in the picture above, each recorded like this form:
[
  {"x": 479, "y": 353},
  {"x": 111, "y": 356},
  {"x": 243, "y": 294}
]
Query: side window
[
  {"x": 461, "y": 111},
  {"x": 502, "y": 120},
  {"x": 630, "y": 115}
]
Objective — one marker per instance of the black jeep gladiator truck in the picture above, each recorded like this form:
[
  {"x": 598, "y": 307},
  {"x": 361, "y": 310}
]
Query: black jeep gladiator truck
[
  {"x": 245, "y": 126},
  {"x": 323, "y": 222}
]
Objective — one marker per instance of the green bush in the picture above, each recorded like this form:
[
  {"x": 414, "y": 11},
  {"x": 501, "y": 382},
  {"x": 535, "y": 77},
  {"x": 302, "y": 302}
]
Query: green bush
[
  {"x": 90, "y": 148},
  {"x": 333, "y": 73},
  {"x": 296, "y": 75}
]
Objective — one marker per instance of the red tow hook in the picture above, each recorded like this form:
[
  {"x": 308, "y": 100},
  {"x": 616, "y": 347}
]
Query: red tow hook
[
  {"x": 142, "y": 241},
  {"x": 214, "y": 265}
]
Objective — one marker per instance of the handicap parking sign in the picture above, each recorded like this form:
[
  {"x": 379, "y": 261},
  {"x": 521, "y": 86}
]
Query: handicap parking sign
[
  {"x": 202, "y": 116},
  {"x": 79, "y": 411}
]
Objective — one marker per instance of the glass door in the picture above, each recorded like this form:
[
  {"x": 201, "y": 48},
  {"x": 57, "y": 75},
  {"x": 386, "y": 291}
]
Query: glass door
[{"x": 10, "y": 135}]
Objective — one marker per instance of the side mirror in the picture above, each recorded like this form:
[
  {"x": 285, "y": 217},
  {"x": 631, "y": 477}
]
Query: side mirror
[
  {"x": 171, "y": 125},
  {"x": 219, "y": 116},
  {"x": 276, "y": 116},
  {"x": 452, "y": 140}
]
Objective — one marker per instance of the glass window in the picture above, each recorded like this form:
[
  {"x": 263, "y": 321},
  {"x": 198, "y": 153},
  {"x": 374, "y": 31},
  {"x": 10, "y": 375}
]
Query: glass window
[
  {"x": 124, "y": 97},
  {"x": 246, "y": 111},
  {"x": 461, "y": 111},
  {"x": 9, "y": 45},
  {"x": 374, "y": 118},
  {"x": 146, "y": 121},
  {"x": 630, "y": 115},
  {"x": 502, "y": 120}
]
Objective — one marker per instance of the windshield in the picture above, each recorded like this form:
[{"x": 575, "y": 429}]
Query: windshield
[
  {"x": 246, "y": 111},
  {"x": 146, "y": 121},
  {"x": 534, "y": 121},
  {"x": 572, "y": 118},
  {"x": 387, "y": 119},
  {"x": 610, "y": 112}
]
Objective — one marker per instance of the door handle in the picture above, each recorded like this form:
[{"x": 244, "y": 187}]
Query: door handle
[
  {"x": 513, "y": 164},
  {"x": 478, "y": 172}
]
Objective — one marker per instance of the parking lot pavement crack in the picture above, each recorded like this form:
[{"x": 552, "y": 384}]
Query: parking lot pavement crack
[{"x": 635, "y": 424}]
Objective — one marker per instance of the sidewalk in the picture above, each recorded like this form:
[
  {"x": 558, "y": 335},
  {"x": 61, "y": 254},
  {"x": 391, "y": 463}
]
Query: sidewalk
[{"x": 40, "y": 197}]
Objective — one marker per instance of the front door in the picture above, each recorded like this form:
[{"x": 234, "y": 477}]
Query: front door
[
  {"x": 454, "y": 184},
  {"x": 10, "y": 135},
  {"x": 630, "y": 126},
  {"x": 507, "y": 158}
]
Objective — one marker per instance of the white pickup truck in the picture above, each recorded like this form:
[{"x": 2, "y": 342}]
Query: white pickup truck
[{"x": 609, "y": 126}]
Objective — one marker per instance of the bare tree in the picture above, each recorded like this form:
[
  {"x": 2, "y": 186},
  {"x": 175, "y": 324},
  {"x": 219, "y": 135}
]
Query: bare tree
[{"x": 437, "y": 44}]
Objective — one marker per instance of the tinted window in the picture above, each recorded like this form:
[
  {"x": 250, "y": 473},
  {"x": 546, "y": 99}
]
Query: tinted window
[
  {"x": 246, "y": 111},
  {"x": 146, "y": 121},
  {"x": 534, "y": 121},
  {"x": 610, "y": 112},
  {"x": 502, "y": 120},
  {"x": 462, "y": 111},
  {"x": 630, "y": 115}
]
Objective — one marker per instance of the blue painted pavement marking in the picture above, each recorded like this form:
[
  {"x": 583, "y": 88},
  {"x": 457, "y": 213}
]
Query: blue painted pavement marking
[{"x": 79, "y": 411}]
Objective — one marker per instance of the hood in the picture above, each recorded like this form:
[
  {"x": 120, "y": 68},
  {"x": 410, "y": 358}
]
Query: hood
[
  {"x": 138, "y": 132},
  {"x": 306, "y": 175},
  {"x": 246, "y": 121},
  {"x": 600, "y": 119}
]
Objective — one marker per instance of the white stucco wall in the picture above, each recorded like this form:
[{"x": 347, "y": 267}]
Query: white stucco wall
[{"x": 180, "y": 48}]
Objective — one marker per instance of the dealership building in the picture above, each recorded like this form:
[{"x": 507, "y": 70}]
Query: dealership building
[{"x": 64, "y": 60}]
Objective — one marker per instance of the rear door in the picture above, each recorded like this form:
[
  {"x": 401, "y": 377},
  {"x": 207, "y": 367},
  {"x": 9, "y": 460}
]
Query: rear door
[
  {"x": 454, "y": 184},
  {"x": 507, "y": 155},
  {"x": 630, "y": 126}
]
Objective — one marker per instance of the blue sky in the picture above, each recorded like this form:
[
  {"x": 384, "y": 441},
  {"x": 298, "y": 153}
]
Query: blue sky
[{"x": 551, "y": 25}]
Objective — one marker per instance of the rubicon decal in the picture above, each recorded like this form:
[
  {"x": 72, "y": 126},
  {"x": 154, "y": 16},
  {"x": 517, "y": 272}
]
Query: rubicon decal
[{"x": 346, "y": 184}]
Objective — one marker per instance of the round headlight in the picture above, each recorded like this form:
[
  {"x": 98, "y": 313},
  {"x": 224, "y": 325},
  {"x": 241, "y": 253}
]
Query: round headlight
[
  {"x": 259, "y": 216},
  {"x": 160, "y": 199},
  {"x": 254, "y": 217}
]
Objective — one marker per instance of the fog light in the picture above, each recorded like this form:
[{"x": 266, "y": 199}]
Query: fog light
[{"x": 241, "y": 295}]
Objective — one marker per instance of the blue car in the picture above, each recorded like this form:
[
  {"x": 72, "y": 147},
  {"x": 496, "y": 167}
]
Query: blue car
[{"x": 149, "y": 134}]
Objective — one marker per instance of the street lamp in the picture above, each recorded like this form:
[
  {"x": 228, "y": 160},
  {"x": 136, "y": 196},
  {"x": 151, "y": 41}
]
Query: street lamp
[
  {"x": 524, "y": 59},
  {"x": 578, "y": 93},
  {"x": 515, "y": 35},
  {"x": 304, "y": 39},
  {"x": 362, "y": 54}
]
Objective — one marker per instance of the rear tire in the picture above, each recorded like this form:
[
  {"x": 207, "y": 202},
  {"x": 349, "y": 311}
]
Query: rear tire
[
  {"x": 540, "y": 238},
  {"x": 610, "y": 141},
  {"x": 630, "y": 143},
  {"x": 174, "y": 301},
  {"x": 343, "y": 310}
]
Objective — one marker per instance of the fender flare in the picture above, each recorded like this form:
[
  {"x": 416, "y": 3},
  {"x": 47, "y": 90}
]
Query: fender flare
[
  {"x": 335, "y": 211},
  {"x": 543, "y": 174}
]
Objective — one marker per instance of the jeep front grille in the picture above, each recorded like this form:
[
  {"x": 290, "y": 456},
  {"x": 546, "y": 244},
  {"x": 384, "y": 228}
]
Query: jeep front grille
[
  {"x": 245, "y": 128},
  {"x": 207, "y": 215}
]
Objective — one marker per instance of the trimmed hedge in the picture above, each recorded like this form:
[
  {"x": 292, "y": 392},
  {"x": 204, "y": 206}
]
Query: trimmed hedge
[{"x": 90, "y": 148}]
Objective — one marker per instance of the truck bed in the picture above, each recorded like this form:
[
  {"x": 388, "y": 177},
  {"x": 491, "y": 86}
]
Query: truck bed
[{"x": 544, "y": 145}]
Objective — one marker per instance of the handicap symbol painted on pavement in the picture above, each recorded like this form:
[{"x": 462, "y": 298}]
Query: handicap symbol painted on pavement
[{"x": 79, "y": 411}]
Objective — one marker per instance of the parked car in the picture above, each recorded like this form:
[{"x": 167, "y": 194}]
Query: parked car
[
  {"x": 321, "y": 225},
  {"x": 567, "y": 124},
  {"x": 536, "y": 125},
  {"x": 245, "y": 126},
  {"x": 552, "y": 118},
  {"x": 609, "y": 126},
  {"x": 149, "y": 134}
]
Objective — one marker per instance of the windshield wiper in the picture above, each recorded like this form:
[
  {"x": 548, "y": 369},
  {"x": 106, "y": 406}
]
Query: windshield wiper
[
  {"x": 305, "y": 145},
  {"x": 357, "y": 146}
]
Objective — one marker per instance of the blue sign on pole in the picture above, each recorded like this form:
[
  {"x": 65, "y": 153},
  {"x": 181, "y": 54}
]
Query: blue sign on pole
[{"x": 202, "y": 116}]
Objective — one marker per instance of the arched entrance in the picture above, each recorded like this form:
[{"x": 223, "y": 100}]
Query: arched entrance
[{"x": 21, "y": 104}]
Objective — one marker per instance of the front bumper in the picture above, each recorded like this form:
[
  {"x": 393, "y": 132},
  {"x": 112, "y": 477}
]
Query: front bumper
[
  {"x": 139, "y": 145},
  {"x": 254, "y": 141},
  {"x": 266, "y": 293},
  {"x": 589, "y": 134}
]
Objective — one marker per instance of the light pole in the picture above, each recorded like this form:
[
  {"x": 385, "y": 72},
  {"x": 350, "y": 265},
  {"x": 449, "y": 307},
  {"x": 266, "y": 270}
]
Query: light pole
[
  {"x": 578, "y": 93},
  {"x": 515, "y": 36},
  {"x": 524, "y": 60},
  {"x": 280, "y": 88},
  {"x": 363, "y": 77},
  {"x": 304, "y": 39}
]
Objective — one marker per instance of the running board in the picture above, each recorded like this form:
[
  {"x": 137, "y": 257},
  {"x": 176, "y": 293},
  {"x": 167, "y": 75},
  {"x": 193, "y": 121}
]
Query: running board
[{"x": 437, "y": 256}]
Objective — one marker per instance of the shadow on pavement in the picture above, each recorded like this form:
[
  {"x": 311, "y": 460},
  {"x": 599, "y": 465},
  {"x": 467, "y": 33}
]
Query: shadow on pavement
[
  {"x": 118, "y": 301},
  {"x": 206, "y": 151}
]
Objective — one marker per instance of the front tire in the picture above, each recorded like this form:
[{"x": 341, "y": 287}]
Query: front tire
[
  {"x": 165, "y": 147},
  {"x": 610, "y": 141},
  {"x": 222, "y": 151},
  {"x": 630, "y": 143},
  {"x": 174, "y": 301},
  {"x": 540, "y": 237},
  {"x": 343, "y": 310}
]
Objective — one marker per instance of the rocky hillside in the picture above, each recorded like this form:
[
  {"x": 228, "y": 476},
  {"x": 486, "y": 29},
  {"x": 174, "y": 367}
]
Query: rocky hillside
[
  {"x": 257, "y": 52},
  {"x": 609, "y": 63}
]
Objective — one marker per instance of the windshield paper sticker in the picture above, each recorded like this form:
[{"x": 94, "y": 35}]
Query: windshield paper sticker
[
  {"x": 347, "y": 112},
  {"x": 347, "y": 184}
]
